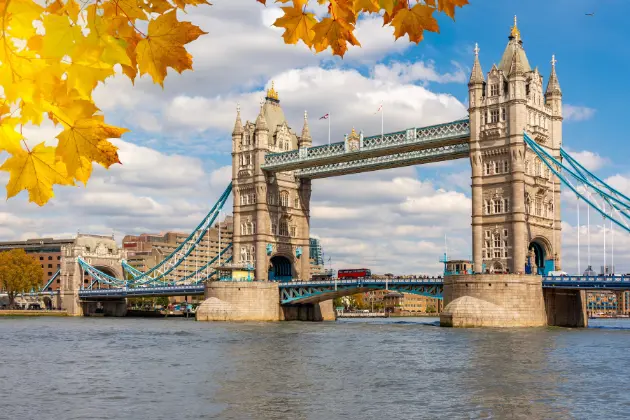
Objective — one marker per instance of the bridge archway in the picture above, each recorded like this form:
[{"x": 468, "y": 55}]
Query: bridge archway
[
  {"x": 280, "y": 268},
  {"x": 539, "y": 257},
  {"x": 110, "y": 271}
]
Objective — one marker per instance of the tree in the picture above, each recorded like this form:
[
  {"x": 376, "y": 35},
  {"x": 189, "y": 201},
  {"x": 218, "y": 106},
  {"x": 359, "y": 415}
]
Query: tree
[
  {"x": 54, "y": 55},
  {"x": 19, "y": 272}
]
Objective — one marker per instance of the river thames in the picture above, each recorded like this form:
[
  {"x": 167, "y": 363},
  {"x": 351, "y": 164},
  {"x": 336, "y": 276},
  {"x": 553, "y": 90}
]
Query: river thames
[{"x": 396, "y": 368}]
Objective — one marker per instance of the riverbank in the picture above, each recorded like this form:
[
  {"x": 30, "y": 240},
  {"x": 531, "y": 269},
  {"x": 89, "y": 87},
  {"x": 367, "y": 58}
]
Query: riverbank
[{"x": 12, "y": 312}]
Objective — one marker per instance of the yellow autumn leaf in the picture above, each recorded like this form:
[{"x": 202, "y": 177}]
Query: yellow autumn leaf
[
  {"x": 164, "y": 46},
  {"x": 85, "y": 135},
  {"x": 35, "y": 171},
  {"x": 61, "y": 37},
  {"x": 448, "y": 6},
  {"x": 369, "y": 6},
  {"x": 9, "y": 138},
  {"x": 335, "y": 34},
  {"x": 21, "y": 15},
  {"x": 298, "y": 25},
  {"x": 414, "y": 21}
]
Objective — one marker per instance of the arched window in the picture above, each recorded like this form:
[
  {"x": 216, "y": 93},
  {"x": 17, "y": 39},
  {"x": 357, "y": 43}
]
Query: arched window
[
  {"x": 284, "y": 228},
  {"x": 284, "y": 199},
  {"x": 538, "y": 207},
  {"x": 488, "y": 207},
  {"x": 244, "y": 254},
  {"x": 253, "y": 228},
  {"x": 243, "y": 229},
  {"x": 527, "y": 167},
  {"x": 497, "y": 206},
  {"x": 487, "y": 167},
  {"x": 528, "y": 203},
  {"x": 496, "y": 167},
  {"x": 293, "y": 231},
  {"x": 506, "y": 166}
]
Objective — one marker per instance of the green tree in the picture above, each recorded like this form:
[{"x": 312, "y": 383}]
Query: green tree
[
  {"x": 18, "y": 273},
  {"x": 430, "y": 309}
]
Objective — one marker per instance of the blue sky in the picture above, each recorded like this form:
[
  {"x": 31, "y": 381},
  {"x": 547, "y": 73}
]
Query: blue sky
[{"x": 176, "y": 157}]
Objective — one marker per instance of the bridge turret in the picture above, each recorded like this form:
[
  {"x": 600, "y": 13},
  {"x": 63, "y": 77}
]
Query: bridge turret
[
  {"x": 305, "y": 140},
  {"x": 553, "y": 94}
]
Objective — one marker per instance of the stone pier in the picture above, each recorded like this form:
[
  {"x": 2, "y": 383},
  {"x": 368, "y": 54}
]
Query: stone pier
[
  {"x": 566, "y": 308},
  {"x": 255, "y": 301},
  {"x": 493, "y": 300}
]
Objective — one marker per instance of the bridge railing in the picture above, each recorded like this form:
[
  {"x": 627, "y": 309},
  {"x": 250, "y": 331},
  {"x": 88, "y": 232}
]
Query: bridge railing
[
  {"x": 588, "y": 279},
  {"x": 450, "y": 130},
  {"x": 364, "y": 280}
]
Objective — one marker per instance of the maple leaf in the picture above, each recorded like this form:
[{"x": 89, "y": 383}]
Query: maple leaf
[
  {"x": 297, "y": 24},
  {"x": 448, "y": 6},
  {"x": 388, "y": 16},
  {"x": 164, "y": 46},
  {"x": 36, "y": 171},
  {"x": 61, "y": 37},
  {"x": 369, "y": 6},
  {"x": 183, "y": 3},
  {"x": 9, "y": 138},
  {"x": 21, "y": 14},
  {"x": 414, "y": 21},
  {"x": 334, "y": 33},
  {"x": 85, "y": 136}
]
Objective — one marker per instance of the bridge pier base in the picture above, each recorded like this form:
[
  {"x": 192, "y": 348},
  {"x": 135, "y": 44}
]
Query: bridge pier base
[
  {"x": 116, "y": 308},
  {"x": 493, "y": 300},
  {"x": 566, "y": 308},
  {"x": 322, "y": 311},
  {"x": 256, "y": 301}
]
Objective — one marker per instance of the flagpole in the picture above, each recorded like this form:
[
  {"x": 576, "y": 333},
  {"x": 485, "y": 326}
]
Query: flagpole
[
  {"x": 329, "y": 128},
  {"x": 382, "y": 119}
]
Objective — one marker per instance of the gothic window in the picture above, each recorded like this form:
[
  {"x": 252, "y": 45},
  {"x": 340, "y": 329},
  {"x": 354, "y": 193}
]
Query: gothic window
[
  {"x": 483, "y": 254},
  {"x": 506, "y": 166},
  {"x": 488, "y": 245},
  {"x": 505, "y": 233},
  {"x": 497, "y": 206},
  {"x": 488, "y": 211},
  {"x": 494, "y": 116},
  {"x": 528, "y": 204},
  {"x": 284, "y": 199},
  {"x": 488, "y": 235},
  {"x": 505, "y": 88},
  {"x": 246, "y": 139},
  {"x": 243, "y": 229},
  {"x": 293, "y": 231},
  {"x": 537, "y": 167},
  {"x": 284, "y": 228},
  {"x": 484, "y": 89},
  {"x": 487, "y": 167},
  {"x": 497, "y": 169},
  {"x": 249, "y": 159},
  {"x": 497, "y": 253},
  {"x": 253, "y": 225},
  {"x": 494, "y": 89},
  {"x": 502, "y": 114},
  {"x": 297, "y": 203},
  {"x": 506, "y": 206},
  {"x": 271, "y": 199},
  {"x": 527, "y": 89},
  {"x": 538, "y": 207}
]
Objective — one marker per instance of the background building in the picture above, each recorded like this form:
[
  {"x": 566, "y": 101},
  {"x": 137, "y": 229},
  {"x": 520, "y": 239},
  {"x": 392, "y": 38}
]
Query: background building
[
  {"x": 47, "y": 251},
  {"x": 146, "y": 250},
  {"x": 316, "y": 257}
]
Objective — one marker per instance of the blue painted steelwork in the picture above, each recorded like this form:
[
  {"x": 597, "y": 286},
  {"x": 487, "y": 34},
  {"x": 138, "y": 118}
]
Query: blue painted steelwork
[
  {"x": 394, "y": 160},
  {"x": 52, "y": 279},
  {"x": 296, "y": 292},
  {"x": 96, "y": 294},
  {"x": 577, "y": 173},
  {"x": 587, "y": 282},
  {"x": 413, "y": 139}
]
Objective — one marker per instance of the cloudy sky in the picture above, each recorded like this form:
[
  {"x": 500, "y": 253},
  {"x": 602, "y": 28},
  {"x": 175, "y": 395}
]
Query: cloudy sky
[{"x": 176, "y": 158}]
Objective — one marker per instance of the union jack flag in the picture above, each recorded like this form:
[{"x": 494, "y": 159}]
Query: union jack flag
[{"x": 325, "y": 117}]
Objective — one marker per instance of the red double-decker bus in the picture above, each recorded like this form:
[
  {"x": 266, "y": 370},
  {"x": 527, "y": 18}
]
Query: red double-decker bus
[{"x": 353, "y": 273}]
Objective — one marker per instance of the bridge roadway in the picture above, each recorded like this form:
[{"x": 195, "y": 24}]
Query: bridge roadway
[
  {"x": 403, "y": 148},
  {"x": 298, "y": 292}
]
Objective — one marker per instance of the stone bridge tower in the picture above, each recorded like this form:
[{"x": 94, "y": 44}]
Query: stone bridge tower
[
  {"x": 515, "y": 197},
  {"x": 100, "y": 252},
  {"x": 271, "y": 210}
]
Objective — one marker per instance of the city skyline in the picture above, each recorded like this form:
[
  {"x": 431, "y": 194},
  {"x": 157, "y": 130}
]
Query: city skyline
[{"x": 186, "y": 128}]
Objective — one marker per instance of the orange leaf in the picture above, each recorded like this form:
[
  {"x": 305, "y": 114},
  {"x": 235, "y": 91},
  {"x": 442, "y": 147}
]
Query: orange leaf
[
  {"x": 334, "y": 33},
  {"x": 448, "y": 6},
  {"x": 297, "y": 24},
  {"x": 369, "y": 6},
  {"x": 414, "y": 21},
  {"x": 389, "y": 15},
  {"x": 164, "y": 46}
]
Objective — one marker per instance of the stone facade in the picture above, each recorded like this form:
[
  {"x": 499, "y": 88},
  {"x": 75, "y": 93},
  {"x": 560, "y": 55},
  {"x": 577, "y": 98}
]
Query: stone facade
[
  {"x": 490, "y": 300},
  {"x": 515, "y": 197},
  {"x": 101, "y": 252},
  {"x": 271, "y": 211}
]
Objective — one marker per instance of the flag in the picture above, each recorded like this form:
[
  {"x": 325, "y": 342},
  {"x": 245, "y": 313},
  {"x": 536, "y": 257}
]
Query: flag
[
  {"x": 325, "y": 117},
  {"x": 379, "y": 108}
]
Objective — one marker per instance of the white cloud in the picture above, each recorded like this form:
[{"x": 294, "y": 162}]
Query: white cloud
[
  {"x": 577, "y": 113},
  {"x": 590, "y": 160},
  {"x": 417, "y": 72}
]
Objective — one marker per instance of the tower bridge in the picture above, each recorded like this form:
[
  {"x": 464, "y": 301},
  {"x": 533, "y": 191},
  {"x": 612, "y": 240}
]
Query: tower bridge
[{"x": 513, "y": 141}]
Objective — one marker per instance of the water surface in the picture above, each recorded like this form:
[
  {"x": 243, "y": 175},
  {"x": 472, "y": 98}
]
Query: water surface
[{"x": 123, "y": 368}]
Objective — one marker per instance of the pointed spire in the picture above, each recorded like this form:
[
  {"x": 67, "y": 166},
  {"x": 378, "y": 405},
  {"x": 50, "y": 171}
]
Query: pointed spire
[
  {"x": 553, "y": 86},
  {"x": 514, "y": 32},
  {"x": 306, "y": 134},
  {"x": 516, "y": 67},
  {"x": 476, "y": 76},
  {"x": 238, "y": 125},
  {"x": 261, "y": 122}
]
